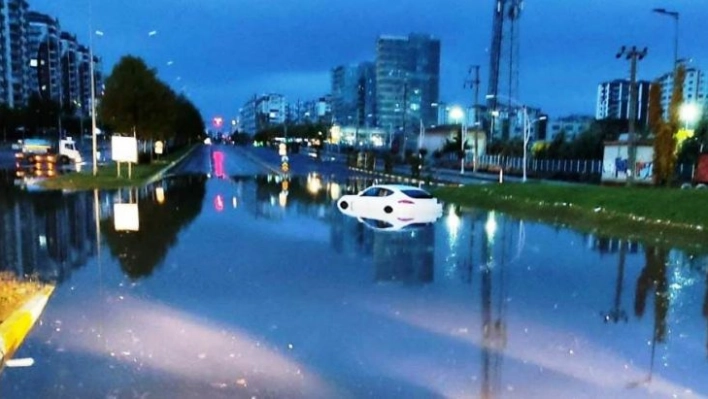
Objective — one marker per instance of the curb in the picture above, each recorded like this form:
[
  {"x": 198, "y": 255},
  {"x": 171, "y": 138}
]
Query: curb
[
  {"x": 157, "y": 176},
  {"x": 16, "y": 327}
]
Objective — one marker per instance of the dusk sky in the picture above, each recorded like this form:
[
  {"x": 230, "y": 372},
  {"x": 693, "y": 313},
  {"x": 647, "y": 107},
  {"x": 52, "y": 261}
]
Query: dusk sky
[{"x": 222, "y": 52}]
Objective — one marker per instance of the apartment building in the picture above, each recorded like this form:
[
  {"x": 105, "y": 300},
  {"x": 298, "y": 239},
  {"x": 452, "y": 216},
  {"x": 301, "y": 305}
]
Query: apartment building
[
  {"x": 613, "y": 100},
  {"x": 407, "y": 81}
]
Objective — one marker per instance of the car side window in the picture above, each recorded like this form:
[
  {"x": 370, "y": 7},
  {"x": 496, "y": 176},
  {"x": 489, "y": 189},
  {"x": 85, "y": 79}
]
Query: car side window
[
  {"x": 384, "y": 192},
  {"x": 371, "y": 192}
]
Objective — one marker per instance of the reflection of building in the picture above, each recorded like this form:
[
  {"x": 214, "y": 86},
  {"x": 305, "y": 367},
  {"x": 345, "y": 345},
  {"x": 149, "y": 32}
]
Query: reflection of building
[
  {"x": 46, "y": 235},
  {"x": 606, "y": 245},
  {"x": 406, "y": 256}
]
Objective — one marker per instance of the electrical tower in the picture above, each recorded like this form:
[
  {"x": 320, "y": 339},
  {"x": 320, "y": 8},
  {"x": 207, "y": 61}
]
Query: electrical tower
[{"x": 504, "y": 58}]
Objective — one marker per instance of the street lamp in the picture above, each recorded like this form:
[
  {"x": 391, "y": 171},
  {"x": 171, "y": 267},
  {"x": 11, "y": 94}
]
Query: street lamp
[
  {"x": 689, "y": 113},
  {"x": 458, "y": 114},
  {"x": 675, "y": 16},
  {"x": 94, "y": 144},
  {"x": 526, "y": 123}
]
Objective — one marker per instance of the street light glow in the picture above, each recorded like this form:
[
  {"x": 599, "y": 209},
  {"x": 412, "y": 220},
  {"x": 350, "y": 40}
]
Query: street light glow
[
  {"x": 689, "y": 112},
  {"x": 457, "y": 113}
]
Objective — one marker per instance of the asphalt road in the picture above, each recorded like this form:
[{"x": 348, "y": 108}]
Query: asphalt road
[{"x": 242, "y": 161}]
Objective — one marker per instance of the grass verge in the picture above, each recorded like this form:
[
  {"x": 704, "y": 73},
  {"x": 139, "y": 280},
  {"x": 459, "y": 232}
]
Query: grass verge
[
  {"x": 14, "y": 293},
  {"x": 107, "y": 175},
  {"x": 674, "y": 217}
]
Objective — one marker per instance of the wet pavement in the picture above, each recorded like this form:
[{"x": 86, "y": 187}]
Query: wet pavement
[{"x": 241, "y": 284}]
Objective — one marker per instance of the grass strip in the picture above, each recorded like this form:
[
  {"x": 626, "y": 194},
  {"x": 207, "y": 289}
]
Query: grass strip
[
  {"x": 669, "y": 216},
  {"x": 14, "y": 293},
  {"x": 107, "y": 175}
]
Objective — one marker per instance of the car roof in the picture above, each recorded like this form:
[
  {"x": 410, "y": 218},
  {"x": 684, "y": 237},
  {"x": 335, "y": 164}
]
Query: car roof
[{"x": 399, "y": 187}]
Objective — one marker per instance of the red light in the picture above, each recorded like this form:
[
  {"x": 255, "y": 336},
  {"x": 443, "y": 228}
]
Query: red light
[
  {"x": 219, "y": 203},
  {"x": 218, "y": 122},
  {"x": 218, "y": 158}
]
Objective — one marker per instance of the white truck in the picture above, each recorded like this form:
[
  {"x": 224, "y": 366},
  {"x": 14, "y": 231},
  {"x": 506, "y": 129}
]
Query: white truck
[{"x": 43, "y": 153}]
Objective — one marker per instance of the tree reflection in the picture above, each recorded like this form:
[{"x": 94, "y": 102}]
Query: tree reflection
[
  {"x": 653, "y": 277},
  {"x": 141, "y": 251}
]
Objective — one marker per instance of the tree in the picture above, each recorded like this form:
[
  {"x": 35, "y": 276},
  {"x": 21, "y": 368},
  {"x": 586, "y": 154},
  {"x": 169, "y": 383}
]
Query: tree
[
  {"x": 665, "y": 131},
  {"x": 135, "y": 100}
]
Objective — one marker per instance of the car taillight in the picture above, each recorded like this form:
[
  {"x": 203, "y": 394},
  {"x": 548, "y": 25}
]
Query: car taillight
[{"x": 405, "y": 202}]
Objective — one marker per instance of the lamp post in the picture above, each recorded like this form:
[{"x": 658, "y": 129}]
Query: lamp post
[
  {"x": 94, "y": 144},
  {"x": 458, "y": 113},
  {"x": 675, "y": 16},
  {"x": 526, "y": 124},
  {"x": 634, "y": 55}
]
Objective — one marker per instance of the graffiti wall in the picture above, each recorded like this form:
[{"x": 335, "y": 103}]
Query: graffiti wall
[{"x": 616, "y": 166}]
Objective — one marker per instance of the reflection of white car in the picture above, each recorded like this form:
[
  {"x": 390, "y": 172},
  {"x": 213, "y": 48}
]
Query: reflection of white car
[
  {"x": 389, "y": 202},
  {"x": 393, "y": 223}
]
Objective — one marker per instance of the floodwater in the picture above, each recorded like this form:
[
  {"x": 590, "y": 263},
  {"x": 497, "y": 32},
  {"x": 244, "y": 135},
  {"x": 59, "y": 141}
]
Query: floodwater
[{"x": 251, "y": 286}]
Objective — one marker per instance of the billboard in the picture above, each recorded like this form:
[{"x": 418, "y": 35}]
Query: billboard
[{"x": 124, "y": 149}]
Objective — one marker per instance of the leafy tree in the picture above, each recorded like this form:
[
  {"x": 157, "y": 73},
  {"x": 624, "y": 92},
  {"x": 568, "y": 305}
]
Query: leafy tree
[
  {"x": 665, "y": 131},
  {"x": 135, "y": 100}
]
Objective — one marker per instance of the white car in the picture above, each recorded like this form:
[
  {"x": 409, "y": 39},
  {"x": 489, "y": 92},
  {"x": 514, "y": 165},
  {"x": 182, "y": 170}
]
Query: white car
[{"x": 389, "y": 202}]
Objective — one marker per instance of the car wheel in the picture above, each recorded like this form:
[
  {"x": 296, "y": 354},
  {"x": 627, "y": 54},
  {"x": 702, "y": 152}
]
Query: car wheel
[
  {"x": 344, "y": 205},
  {"x": 388, "y": 209}
]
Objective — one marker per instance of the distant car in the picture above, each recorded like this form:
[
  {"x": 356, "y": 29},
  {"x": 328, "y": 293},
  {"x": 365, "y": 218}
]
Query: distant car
[{"x": 391, "y": 202}]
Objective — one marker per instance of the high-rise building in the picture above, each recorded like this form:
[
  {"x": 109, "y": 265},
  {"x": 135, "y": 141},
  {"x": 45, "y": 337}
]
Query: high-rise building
[
  {"x": 14, "y": 59},
  {"x": 407, "y": 82},
  {"x": 613, "y": 100},
  {"x": 263, "y": 111},
  {"x": 695, "y": 89},
  {"x": 354, "y": 94},
  {"x": 43, "y": 49}
]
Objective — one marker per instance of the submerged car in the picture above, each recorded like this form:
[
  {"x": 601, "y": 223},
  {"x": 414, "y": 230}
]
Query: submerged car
[{"x": 389, "y": 202}]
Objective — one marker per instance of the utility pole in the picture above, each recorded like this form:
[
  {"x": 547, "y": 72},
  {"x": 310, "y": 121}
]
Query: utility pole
[
  {"x": 633, "y": 55},
  {"x": 475, "y": 83}
]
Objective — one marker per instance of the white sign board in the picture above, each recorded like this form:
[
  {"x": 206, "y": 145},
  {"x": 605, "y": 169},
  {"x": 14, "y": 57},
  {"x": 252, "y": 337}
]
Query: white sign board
[
  {"x": 158, "y": 147},
  {"x": 124, "y": 149},
  {"x": 126, "y": 217},
  {"x": 615, "y": 163}
]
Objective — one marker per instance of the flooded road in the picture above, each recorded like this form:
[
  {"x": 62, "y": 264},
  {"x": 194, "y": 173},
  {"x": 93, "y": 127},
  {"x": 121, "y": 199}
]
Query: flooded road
[{"x": 224, "y": 281}]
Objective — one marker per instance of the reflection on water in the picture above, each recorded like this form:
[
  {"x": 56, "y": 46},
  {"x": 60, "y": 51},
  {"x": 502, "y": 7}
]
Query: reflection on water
[
  {"x": 46, "y": 234},
  {"x": 491, "y": 305},
  {"x": 163, "y": 213}
]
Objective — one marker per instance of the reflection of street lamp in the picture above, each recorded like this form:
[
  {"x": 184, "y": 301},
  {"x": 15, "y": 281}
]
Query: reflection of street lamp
[{"x": 458, "y": 114}]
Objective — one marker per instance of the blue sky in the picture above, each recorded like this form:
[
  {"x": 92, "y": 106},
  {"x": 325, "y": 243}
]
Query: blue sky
[{"x": 224, "y": 51}]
